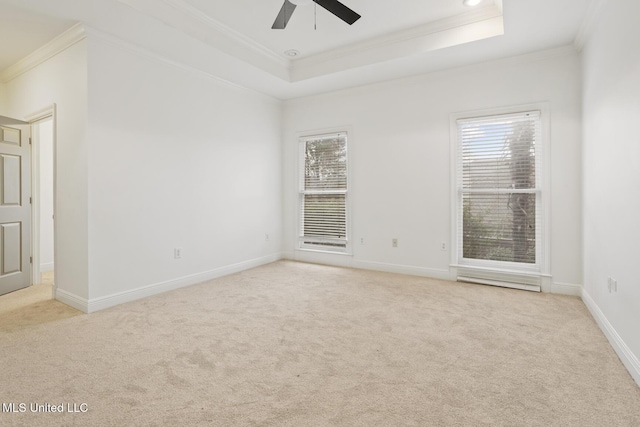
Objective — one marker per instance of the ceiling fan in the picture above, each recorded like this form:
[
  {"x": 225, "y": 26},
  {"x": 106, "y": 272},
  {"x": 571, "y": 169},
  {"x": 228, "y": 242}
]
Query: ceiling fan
[{"x": 333, "y": 6}]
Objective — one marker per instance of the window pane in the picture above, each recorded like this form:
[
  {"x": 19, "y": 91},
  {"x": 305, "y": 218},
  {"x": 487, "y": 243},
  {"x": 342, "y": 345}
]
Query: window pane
[
  {"x": 324, "y": 216},
  {"x": 499, "y": 153},
  {"x": 326, "y": 164},
  {"x": 499, "y": 226}
]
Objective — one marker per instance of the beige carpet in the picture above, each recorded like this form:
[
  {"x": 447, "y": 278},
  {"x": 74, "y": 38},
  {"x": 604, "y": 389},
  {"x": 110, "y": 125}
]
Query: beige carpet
[
  {"x": 291, "y": 344},
  {"x": 32, "y": 306}
]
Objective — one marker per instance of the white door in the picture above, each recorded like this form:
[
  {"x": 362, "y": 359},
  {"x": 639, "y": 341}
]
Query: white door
[{"x": 15, "y": 205}]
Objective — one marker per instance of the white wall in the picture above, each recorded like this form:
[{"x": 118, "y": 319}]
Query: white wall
[
  {"x": 63, "y": 80},
  {"x": 177, "y": 159},
  {"x": 45, "y": 133},
  {"x": 611, "y": 108},
  {"x": 3, "y": 100},
  {"x": 400, "y": 159},
  {"x": 152, "y": 156}
]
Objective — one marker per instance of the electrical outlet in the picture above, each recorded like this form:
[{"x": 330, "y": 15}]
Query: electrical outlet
[
  {"x": 177, "y": 253},
  {"x": 266, "y": 237},
  {"x": 362, "y": 240},
  {"x": 394, "y": 243},
  {"x": 443, "y": 246},
  {"x": 614, "y": 285}
]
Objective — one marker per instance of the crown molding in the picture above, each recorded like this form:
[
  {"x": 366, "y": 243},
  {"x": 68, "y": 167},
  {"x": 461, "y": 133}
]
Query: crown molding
[
  {"x": 218, "y": 26},
  {"x": 474, "y": 25},
  {"x": 183, "y": 17},
  {"x": 588, "y": 23},
  {"x": 471, "y": 17},
  {"x": 47, "y": 51}
]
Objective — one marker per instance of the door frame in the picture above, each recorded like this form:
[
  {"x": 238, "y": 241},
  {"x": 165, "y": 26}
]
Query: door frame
[{"x": 43, "y": 114}]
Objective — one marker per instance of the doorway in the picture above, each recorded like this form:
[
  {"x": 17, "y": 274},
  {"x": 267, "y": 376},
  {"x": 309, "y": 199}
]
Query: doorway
[{"x": 43, "y": 161}]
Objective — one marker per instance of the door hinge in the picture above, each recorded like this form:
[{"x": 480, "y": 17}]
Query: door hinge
[
  {"x": 30, "y": 201},
  {"x": 30, "y": 260},
  {"x": 29, "y": 140}
]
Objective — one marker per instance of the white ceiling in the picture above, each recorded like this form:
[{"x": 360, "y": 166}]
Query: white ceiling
[
  {"x": 234, "y": 40},
  {"x": 22, "y": 32},
  {"x": 254, "y": 19}
]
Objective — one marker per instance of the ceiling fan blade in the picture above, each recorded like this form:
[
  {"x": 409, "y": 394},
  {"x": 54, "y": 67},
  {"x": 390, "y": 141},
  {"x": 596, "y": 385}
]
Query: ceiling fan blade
[
  {"x": 340, "y": 10},
  {"x": 283, "y": 17}
]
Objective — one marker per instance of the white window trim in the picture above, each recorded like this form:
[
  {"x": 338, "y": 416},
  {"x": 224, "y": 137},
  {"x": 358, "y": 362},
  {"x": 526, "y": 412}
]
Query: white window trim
[
  {"x": 543, "y": 266},
  {"x": 301, "y": 136}
]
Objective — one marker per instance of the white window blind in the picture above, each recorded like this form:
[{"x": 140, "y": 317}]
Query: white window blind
[
  {"x": 323, "y": 192},
  {"x": 499, "y": 193}
]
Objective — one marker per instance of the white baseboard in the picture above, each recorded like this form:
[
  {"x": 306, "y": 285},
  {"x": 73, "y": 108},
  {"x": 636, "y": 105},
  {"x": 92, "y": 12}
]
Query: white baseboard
[
  {"x": 432, "y": 273},
  {"x": 101, "y": 303},
  {"x": 46, "y": 267},
  {"x": 566, "y": 289},
  {"x": 72, "y": 300},
  {"x": 322, "y": 257},
  {"x": 625, "y": 354},
  {"x": 342, "y": 260}
]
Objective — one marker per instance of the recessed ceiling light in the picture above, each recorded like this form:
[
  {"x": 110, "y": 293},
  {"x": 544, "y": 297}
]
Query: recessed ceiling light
[
  {"x": 471, "y": 2},
  {"x": 292, "y": 52}
]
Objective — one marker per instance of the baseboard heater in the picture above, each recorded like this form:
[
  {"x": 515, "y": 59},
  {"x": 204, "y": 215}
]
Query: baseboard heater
[{"x": 527, "y": 282}]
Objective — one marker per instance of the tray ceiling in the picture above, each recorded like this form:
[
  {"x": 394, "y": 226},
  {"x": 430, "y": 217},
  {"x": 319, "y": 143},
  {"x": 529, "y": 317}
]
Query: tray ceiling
[{"x": 233, "y": 40}]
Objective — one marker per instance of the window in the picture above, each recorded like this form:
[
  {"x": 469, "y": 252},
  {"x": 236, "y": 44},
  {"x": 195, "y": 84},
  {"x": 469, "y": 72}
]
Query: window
[
  {"x": 499, "y": 196},
  {"x": 323, "y": 192}
]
